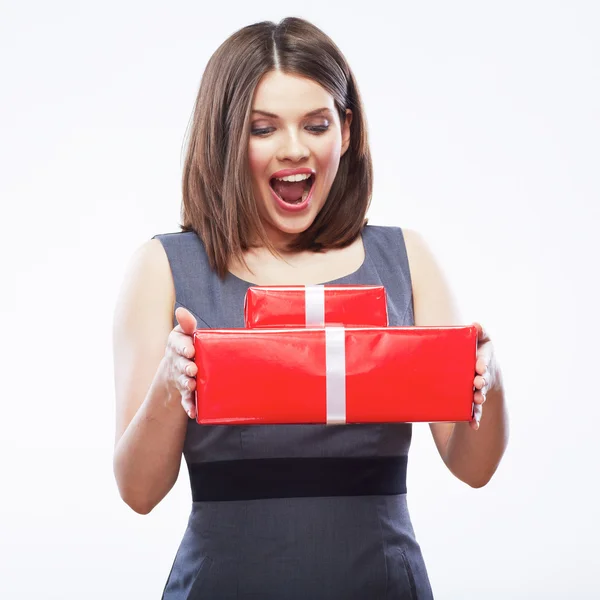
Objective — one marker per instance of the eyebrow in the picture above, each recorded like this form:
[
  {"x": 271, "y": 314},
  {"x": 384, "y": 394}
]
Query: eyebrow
[{"x": 312, "y": 113}]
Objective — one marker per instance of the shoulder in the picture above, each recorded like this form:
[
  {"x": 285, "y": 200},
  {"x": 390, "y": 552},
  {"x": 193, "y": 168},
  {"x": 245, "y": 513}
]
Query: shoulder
[
  {"x": 423, "y": 263},
  {"x": 177, "y": 239},
  {"x": 416, "y": 245},
  {"x": 433, "y": 297},
  {"x": 388, "y": 239},
  {"x": 147, "y": 275},
  {"x": 387, "y": 232},
  {"x": 150, "y": 256},
  {"x": 394, "y": 239},
  {"x": 181, "y": 247},
  {"x": 403, "y": 243}
]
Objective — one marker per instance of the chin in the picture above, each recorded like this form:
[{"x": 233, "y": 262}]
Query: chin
[{"x": 289, "y": 227}]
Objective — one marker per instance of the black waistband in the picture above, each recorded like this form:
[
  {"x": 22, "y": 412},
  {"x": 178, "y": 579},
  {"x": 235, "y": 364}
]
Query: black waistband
[{"x": 254, "y": 479}]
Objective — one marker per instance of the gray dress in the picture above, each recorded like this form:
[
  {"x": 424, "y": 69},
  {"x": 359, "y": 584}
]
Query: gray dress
[{"x": 305, "y": 548}]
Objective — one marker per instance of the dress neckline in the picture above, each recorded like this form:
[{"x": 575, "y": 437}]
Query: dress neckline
[{"x": 363, "y": 265}]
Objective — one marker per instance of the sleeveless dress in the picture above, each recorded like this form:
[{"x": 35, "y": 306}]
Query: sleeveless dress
[{"x": 311, "y": 548}]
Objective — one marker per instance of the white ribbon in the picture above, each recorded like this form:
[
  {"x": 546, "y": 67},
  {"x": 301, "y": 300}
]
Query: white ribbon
[
  {"x": 335, "y": 373},
  {"x": 314, "y": 297}
]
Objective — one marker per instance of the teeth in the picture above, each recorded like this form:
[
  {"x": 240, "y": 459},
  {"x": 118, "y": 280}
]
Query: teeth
[{"x": 293, "y": 177}]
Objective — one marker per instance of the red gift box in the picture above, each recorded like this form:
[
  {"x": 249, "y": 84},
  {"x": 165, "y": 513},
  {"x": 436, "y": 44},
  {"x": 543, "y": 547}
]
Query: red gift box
[
  {"x": 335, "y": 375},
  {"x": 315, "y": 306}
]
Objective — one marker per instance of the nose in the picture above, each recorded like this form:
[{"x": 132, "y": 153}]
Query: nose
[{"x": 292, "y": 149}]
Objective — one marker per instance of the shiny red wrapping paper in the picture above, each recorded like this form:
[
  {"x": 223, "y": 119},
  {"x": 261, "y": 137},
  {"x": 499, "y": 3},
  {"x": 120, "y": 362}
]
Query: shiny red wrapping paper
[
  {"x": 302, "y": 306},
  {"x": 392, "y": 374}
]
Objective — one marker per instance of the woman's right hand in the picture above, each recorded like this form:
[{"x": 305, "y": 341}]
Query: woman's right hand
[{"x": 178, "y": 363}]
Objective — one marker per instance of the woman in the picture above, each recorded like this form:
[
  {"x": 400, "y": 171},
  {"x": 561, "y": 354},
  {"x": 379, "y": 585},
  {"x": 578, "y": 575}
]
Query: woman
[{"x": 276, "y": 186}]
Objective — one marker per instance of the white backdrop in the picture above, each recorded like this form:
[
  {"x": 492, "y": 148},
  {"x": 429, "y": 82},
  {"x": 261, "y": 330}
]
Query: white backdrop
[{"x": 484, "y": 125}]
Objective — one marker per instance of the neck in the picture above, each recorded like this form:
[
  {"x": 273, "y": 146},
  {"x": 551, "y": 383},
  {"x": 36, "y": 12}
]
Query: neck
[{"x": 279, "y": 239}]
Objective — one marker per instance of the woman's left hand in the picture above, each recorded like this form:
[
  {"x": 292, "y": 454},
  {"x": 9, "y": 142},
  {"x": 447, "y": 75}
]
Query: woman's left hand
[{"x": 483, "y": 381}]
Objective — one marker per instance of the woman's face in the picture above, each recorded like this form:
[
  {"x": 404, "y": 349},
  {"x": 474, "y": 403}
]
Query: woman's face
[{"x": 295, "y": 133}]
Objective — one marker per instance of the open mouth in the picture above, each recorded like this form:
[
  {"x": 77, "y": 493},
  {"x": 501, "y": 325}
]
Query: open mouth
[{"x": 292, "y": 192}]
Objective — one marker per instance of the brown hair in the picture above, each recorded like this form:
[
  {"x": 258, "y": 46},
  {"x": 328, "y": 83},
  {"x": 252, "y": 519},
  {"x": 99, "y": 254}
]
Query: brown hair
[{"x": 218, "y": 200}]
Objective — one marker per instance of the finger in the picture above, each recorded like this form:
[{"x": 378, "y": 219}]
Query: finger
[
  {"x": 479, "y": 382},
  {"x": 187, "y": 401},
  {"x": 186, "y": 322},
  {"x": 479, "y": 397},
  {"x": 477, "y": 411},
  {"x": 482, "y": 335},
  {"x": 182, "y": 344},
  {"x": 482, "y": 362},
  {"x": 186, "y": 384},
  {"x": 187, "y": 367}
]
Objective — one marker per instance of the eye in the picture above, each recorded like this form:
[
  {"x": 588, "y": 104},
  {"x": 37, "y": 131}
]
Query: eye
[
  {"x": 318, "y": 128},
  {"x": 261, "y": 131}
]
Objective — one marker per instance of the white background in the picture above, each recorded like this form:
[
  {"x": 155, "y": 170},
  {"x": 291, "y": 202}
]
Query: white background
[{"x": 484, "y": 125}]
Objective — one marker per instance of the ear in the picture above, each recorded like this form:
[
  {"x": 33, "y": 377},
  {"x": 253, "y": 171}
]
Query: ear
[{"x": 346, "y": 132}]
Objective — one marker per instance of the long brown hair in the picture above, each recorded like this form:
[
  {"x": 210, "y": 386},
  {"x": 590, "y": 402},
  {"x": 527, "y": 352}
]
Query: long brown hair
[{"x": 218, "y": 200}]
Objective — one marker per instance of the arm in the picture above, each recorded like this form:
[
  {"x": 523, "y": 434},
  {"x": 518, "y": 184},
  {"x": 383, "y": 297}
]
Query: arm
[
  {"x": 150, "y": 421},
  {"x": 471, "y": 455}
]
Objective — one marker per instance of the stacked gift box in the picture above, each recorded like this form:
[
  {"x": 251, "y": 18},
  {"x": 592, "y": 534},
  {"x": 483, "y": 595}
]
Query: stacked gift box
[{"x": 325, "y": 354}]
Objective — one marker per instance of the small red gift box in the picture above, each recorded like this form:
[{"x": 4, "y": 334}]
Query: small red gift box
[
  {"x": 335, "y": 375},
  {"x": 315, "y": 306}
]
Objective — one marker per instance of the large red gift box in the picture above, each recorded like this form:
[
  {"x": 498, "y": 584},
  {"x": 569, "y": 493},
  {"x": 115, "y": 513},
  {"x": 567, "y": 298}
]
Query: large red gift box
[
  {"x": 315, "y": 306},
  {"x": 335, "y": 375}
]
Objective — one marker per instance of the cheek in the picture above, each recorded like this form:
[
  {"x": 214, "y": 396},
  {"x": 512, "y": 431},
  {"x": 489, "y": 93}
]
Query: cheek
[
  {"x": 258, "y": 159},
  {"x": 328, "y": 153}
]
